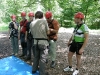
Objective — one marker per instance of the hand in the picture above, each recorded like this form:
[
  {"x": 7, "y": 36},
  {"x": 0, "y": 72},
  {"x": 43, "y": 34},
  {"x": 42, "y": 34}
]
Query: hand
[
  {"x": 81, "y": 51},
  {"x": 18, "y": 37},
  {"x": 51, "y": 29},
  {"x": 25, "y": 39},
  {"x": 13, "y": 22}
]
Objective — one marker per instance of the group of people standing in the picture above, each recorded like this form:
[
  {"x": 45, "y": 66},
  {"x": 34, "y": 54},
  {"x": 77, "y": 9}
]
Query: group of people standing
[
  {"x": 37, "y": 34},
  {"x": 40, "y": 36}
]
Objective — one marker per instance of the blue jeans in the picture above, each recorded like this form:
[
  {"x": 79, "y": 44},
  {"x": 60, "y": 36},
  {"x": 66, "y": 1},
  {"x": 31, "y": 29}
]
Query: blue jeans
[
  {"x": 23, "y": 44},
  {"x": 29, "y": 47},
  {"x": 15, "y": 46}
]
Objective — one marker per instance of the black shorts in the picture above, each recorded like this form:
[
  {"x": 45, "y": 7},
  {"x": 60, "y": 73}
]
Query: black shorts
[{"x": 75, "y": 47}]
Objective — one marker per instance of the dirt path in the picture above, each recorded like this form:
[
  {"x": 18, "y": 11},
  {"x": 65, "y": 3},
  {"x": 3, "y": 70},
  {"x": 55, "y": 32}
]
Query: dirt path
[{"x": 90, "y": 59}]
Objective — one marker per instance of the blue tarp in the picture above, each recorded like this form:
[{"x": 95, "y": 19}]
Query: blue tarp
[{"x": 14, "y": 66}]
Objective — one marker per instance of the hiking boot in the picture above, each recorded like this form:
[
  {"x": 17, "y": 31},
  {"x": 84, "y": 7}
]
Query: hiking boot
[
  {"x": 27, "y": 58},
  {"x": 52, "y": 65},
  {"x": 68, "y": 69},
  {"x": 76, "y": 72},
  {"x": 22, "y": 55}
]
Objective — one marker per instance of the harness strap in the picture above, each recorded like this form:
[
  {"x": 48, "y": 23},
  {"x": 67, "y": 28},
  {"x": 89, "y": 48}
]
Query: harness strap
[
  {"x": 76, "y": 29},
  {"x": 51, "y": 23},
  {"x": 38, "y": 40}
]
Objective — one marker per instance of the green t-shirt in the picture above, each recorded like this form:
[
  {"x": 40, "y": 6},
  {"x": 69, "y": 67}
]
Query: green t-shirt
[{"x": 80, "y": 37}]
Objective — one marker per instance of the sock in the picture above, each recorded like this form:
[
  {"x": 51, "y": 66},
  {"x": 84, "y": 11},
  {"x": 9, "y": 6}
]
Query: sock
[
  {"x": 76, "y": 68},
  {"x": 70, "y": 66}
]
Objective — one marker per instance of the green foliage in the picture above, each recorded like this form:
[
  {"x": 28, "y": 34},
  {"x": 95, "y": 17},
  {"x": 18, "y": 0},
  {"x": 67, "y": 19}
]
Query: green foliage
[
  {"x": 3, "y": 27},
  {"x": 63, "y": 10}
]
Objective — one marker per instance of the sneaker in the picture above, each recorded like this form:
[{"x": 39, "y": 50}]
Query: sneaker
[
  {"x": 52, "y": 65},
  {"x": 68, "y": 69},
  {"x": 76, "y": 72}
]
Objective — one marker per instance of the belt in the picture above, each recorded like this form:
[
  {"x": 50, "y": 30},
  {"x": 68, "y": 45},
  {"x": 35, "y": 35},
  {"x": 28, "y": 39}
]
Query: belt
[{"x": 39, "y": 39}]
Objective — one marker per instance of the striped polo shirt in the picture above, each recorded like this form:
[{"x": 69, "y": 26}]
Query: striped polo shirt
[{"x": 79, "y": 34}]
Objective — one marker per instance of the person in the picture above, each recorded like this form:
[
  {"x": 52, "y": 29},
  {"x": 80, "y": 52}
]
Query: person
[
  {"x": 54, "y": 27},
  {"x": 40, "y": 30},
  {"x": 13, "y": 33},
  {"x": 77, "y": 42},
  {"x": 29, "y": 36},
  {"x": 22, "y": 34}
]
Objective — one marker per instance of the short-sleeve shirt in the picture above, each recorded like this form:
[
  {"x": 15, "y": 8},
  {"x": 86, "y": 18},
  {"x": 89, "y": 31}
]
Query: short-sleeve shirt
[
  {"x": 80, "y": 37},
  {"x": 11, "y": 25},
  {"x": 23, "y": 26},
  {"x": 39, "y": 28}
]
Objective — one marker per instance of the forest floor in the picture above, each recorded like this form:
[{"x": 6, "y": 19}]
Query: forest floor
[{"x": 90, "y": 59}]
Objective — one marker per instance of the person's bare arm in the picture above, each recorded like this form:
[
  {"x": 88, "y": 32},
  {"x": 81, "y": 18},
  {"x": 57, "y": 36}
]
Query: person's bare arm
[
  {"x": 86, "y": 35},
  {"x": 86, "y": 40}
]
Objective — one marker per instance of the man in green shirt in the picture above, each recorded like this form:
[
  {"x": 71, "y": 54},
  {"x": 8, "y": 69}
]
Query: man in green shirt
[{"x": 77, "y": 42}]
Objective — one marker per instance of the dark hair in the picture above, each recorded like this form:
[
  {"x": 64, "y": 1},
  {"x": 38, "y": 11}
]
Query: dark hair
[{"x": 39, "y": 14}]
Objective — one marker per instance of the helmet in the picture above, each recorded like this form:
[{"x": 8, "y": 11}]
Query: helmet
[
  {"x": 13, "y": 17},
  {"x": 23, "y": 14},
  {"x": 31, "y": 14},
  {"x": 48, "y": 14},
  {"x": 79, "y": 15}
]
